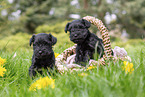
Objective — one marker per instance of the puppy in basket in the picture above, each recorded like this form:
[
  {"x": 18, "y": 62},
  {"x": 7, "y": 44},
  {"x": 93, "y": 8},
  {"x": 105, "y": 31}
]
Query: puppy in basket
[{"x": 86, "y": 41}]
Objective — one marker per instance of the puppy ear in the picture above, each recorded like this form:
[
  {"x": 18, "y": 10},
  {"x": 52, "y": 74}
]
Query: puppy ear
[
  {"x": 86, "y": 23},
  {"x": 67, "y": 27},
  {"x": 32, "y": 39},
  {"x": 53, "y": 39}
]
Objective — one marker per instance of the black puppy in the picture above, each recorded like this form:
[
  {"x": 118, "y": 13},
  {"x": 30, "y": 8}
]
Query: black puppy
[
  {"x": 85, "y": 40},
  {"x": 43, "y": 55}
]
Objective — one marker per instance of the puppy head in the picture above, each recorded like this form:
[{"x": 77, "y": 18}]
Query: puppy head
[
  {"x": 42, "y": 45},
  {"x": 78, "y": 30}
]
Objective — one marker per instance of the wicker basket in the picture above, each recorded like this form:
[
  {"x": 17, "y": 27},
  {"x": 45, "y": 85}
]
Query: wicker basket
[{"x": 65, "y": 61}]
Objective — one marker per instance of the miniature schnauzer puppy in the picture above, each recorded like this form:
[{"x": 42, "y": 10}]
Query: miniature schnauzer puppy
[
  {"x": 85, "y": 40},
  {"x": 43, "y": 55}
]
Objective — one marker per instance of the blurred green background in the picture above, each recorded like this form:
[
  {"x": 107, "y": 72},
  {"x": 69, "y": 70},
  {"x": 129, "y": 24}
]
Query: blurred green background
[{"x": 19, "y": 19}]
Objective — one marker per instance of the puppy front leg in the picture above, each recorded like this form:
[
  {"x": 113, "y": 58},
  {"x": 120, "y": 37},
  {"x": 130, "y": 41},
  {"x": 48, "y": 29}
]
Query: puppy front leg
[
  {"x": 32, "y": 71},
  {"x": 77, "y": 55},
  {"x": 81, "y": 60},
  {"x": 87, "y": 56},
  {"x": 77, "y": 58}
]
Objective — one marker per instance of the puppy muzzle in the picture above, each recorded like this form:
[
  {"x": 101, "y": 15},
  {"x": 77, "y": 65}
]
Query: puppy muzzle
[
  {"x": 78, "y": 38},
  {"x": 43, "y": 54}
]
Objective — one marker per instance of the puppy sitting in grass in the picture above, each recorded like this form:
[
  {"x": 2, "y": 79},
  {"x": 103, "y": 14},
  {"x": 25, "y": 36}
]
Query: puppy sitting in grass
[
  {"x": 43, "y": 55},
  {"x": 85, "y": 40}
]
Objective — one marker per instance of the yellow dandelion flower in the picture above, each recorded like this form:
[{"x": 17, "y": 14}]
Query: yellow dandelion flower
[
  {"x": 91, "y": 67},
  {"x": 42, "y": 83},
  {"x": 56, "y": 54},
  {"x": 2, "y": 61},
  {"x": 2, "y": 69},
  {"x": 127, "y": 67},
  {"x": 83, "y": 74}
]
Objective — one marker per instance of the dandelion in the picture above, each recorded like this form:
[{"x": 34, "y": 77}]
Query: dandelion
[
  {"x": 42, "y": 83},
  {"x": 2, "y": 61},
  {"x": 128, "y": 67},
  {"x": 56, "y": 54},
  {"x": 2, "y": 69},
  {"x": 91, "y": 67},
  {"x": 83, "y": 74}
]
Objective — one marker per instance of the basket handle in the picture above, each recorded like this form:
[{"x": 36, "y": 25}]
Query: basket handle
[{"x": 104, "y": 32}]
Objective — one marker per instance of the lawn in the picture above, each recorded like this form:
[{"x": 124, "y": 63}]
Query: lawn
[{"x": 105, "y": 81}]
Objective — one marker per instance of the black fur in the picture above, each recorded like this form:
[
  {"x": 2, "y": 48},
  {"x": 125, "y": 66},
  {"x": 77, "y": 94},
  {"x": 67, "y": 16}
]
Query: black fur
[
  {"x": 43, "y": 55},
  {"x": 85, "y": 40}
]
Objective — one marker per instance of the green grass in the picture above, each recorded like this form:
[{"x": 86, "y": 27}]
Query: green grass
[{"x": 107, "y": 81}]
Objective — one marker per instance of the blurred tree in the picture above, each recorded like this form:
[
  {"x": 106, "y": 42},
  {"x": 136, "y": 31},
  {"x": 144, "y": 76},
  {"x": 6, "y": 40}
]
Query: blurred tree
[
  {"x": 3, "y": 5},
  {"x": 131, "y": 16},
  {"x": 63, "y": 9},
  {"x": 32, "y": 12},
  {"x": 96, "y": 8},
  {"x": 3, "y": 19},
  {"x": 37, "y": 12}
]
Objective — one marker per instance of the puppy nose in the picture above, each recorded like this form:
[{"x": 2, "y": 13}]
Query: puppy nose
[
  {"x": 40, "y": 52},
  {"x": 75, "y": 35}
]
